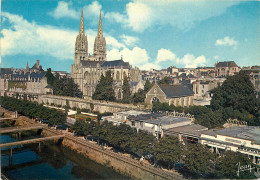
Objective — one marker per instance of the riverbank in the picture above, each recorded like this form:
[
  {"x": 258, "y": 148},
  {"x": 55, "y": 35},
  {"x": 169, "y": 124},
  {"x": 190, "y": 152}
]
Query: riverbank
[{"x": 118, "y": 161}]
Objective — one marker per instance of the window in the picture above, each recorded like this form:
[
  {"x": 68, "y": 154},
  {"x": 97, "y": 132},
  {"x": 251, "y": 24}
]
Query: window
[
  {"x": 133, "y": 123},
  {"x": 155, "y": 99}
]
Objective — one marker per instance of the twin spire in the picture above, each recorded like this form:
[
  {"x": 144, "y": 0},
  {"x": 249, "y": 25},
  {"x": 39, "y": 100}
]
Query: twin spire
[{"x": 81, "y": 28}]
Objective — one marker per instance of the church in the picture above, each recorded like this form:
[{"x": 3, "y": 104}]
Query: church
[{"x": 87, "y": 69}]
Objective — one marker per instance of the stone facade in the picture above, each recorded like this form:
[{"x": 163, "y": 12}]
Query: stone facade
[
  {"x": 87, "y": 69},
  {"x": 177, "y": 94},
  {"x": 27, "y": 81},
  {"x": 226, "y": 68}
]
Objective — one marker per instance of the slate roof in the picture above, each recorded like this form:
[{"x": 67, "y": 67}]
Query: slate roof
[
  {"x": 176, "y": 90},
  {"x": 33, "y": 75},
  {"x": 133, "y": 83},
  {"x": 226, "y": 64},
  {"x": 5, "y": 71},
  {"x": 90, "y": 63},
  {"x": 117, "y": 63},
  {"x": 38, "y": 75}
]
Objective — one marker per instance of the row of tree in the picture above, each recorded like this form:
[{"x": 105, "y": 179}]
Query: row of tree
[
  {"x": 63, "y": 86},
  {"x": 33, "y": 110},
  {"x": 196, "y": 160}
]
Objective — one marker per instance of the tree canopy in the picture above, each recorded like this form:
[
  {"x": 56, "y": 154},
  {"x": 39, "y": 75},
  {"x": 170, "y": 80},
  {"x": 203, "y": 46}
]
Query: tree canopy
[
  {"x": 32, "y": 109},
  {"x": 63, "y": 86},
  {"x": 126, "y": 90},
  {"x": 165, "y": 80},
  {"x": 236, "y": 92},
  {"x": 104, "y": 89},
  {"x": 198, "y": 160},
  {"x": 237, "y": 98}
]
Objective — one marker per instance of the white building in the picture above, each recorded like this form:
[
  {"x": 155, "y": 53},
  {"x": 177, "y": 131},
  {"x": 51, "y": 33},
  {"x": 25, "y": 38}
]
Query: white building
[{"x": 243, "y": 139}]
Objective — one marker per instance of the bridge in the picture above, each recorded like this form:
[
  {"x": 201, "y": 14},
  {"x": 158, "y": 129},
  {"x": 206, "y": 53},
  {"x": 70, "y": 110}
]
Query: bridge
[
  {"x": 1, "y": 119},
  {"x": 19, "y": 129},
  {"x": 36, "y": 140}
]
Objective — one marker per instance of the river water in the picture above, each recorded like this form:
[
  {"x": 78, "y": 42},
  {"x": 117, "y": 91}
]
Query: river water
[{"x": 50, "y": 162}]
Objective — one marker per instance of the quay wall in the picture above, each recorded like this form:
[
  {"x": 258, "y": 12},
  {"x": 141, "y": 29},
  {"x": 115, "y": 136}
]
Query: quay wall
[
  {"x": 101, "y": 106},
  {"x": 118, "y": 162}
]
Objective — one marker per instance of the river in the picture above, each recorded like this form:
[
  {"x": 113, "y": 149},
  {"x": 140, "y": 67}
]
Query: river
[{"x": 50, "y": 162}]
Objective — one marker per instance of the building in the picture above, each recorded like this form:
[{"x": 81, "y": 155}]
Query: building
[
  {"x": 176, "y": 94},
  {"x": 243, "y": 139},
  {"x": 150, "y": 122},
  {"x": 24, "y": 81},
  {"x": 87, "y": 69},
  {"x": 226, "y": 68}
]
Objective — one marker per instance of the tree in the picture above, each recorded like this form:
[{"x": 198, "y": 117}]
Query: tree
[
  {"x": 236, "y": 92},
  {"x": 104, "y": 89},
  {"x": 165, "y": 80},
  {"x": 64, "y": 86},
  {"x": 139, "y": 96},
  {"x": 50, "y": 77},
  {"x": 198, "y": 161},
  {"x": 126, "y": 90},
  {"x": 228, "y": 164},
  {"x": 147, "y": 86},
  {"x": 168, "y": 150},
  {"x": 142, "y": 144}
]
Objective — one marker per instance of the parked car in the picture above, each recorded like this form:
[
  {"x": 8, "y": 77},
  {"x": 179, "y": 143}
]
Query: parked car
[{"x": 44, "y": 121}]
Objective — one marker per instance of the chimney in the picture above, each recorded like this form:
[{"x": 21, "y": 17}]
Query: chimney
[{"x": 38, "y": 63}]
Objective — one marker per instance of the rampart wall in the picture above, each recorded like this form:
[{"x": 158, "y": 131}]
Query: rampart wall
[
  {"x": 101, "y": 106},
  {"x": 118, "y": 162}
]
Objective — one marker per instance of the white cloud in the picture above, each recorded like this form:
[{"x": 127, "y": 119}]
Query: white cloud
[
  {"x": 164, "y": 55},
  {"x": 63, "y": 10},
  {"x": 143, "y": 14},
  {"x": 190, "y": 61},
  {"x": 115, "y": 17},
  {"x": 129, "y": 40},
  {"x": 24, "y": 37},
  {"x": 226, "y": 41},
  {"x": 113, "y": 43},
  {"x": 92, "y": 11},
  {"x": 139, "y": 15},
  {"x": 135, "y": 56},
  {"x": 149, "y": 66}
]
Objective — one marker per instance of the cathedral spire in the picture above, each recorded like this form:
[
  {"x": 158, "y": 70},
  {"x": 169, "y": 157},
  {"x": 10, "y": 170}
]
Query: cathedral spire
[
  {"x": 81, "y": 28},
  {"x": 100, "y": 33}
]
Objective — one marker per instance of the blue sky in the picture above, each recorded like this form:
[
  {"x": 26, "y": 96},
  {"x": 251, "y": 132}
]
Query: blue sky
[{"x": 146, "y": 33}]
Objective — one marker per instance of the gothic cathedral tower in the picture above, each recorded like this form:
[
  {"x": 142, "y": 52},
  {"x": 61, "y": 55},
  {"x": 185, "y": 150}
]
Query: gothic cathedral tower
[
  {"x": 100, "y": 44},
  {"x": 81, "y": 45}
]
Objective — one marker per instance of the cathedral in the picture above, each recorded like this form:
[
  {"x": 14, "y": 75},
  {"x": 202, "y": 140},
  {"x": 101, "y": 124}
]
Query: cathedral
[{"x": 87, "y": 69}]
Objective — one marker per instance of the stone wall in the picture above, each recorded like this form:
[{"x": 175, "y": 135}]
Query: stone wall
[
  {"x": 101, "y": 106},
  {"x": 120, "y": 163}
]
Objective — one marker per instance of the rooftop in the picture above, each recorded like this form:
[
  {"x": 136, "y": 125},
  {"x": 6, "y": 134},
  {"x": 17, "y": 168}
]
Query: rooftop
[
  {"x": 176, "y": 90},
  {"x": 117, "y": 63},
  {"x": 158, "y": 119},
  {"x": 244, "y": 132},
  {"x": 194, "y": 129},
  {"x": 226, "y": 64}
]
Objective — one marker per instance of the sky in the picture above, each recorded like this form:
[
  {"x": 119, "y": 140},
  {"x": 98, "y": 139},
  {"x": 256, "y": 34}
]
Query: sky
[{"x": 146, "y": 33}]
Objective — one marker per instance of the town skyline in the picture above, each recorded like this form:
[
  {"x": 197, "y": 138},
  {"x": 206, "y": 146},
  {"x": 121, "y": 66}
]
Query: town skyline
[{"x": 49, "y": 34}]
